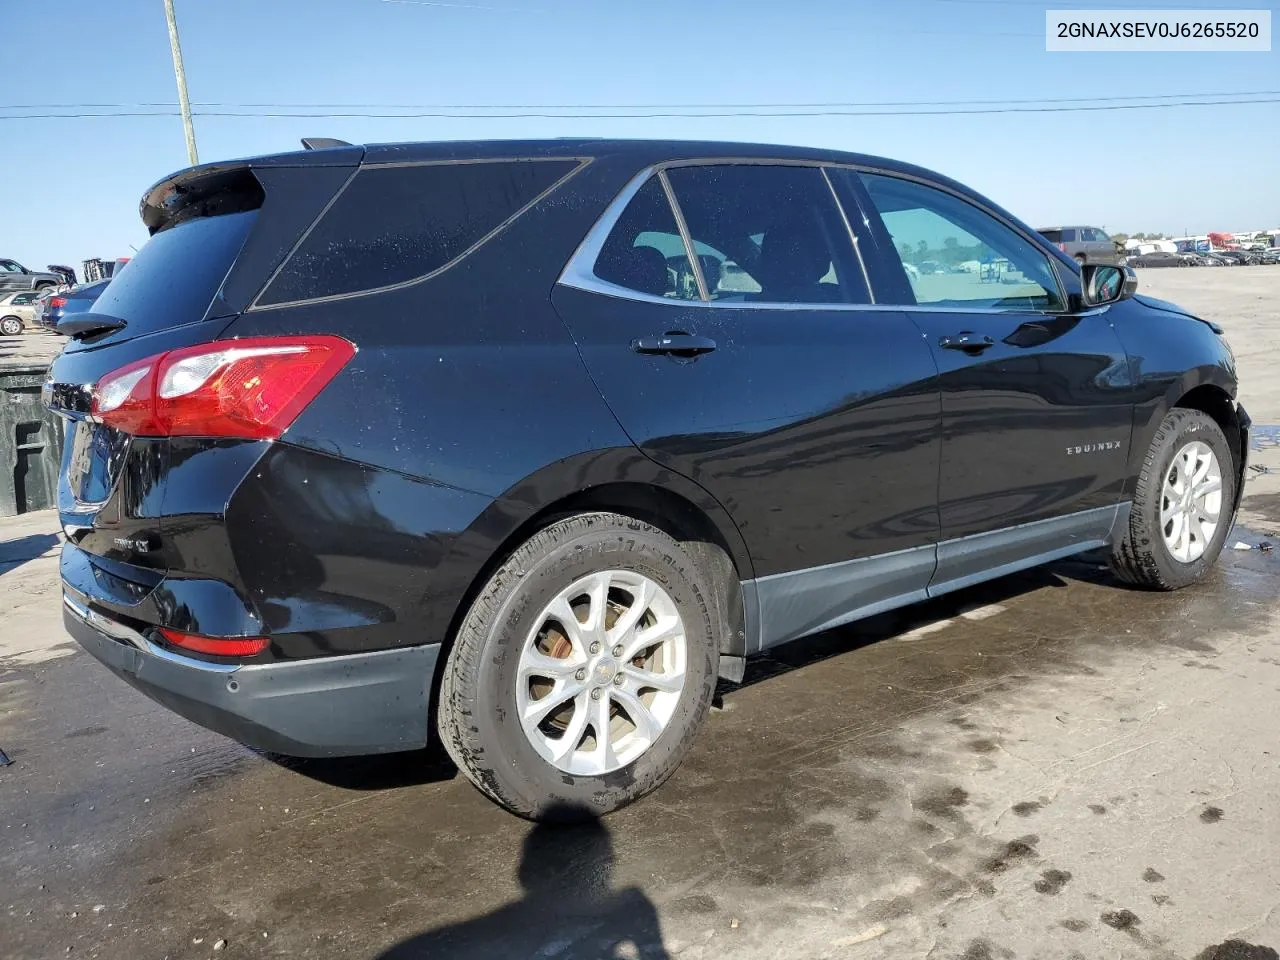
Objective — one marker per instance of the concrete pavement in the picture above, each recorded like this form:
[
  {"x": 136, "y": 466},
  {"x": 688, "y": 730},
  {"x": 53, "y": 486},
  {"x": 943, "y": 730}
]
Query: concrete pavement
[{"x": 1049, "y": 766}]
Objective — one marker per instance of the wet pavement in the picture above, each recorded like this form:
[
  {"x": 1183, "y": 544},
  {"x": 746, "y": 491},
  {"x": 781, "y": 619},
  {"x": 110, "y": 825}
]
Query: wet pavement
[{"x": 1048, "y": 766}]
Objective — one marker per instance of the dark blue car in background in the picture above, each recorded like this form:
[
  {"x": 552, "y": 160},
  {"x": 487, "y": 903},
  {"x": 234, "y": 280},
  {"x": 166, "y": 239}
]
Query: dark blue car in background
[{"x": 76, "y": 300}]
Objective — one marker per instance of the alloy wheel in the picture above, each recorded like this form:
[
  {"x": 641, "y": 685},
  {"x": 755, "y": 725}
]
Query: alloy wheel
[
  {"x": 601, "y": 673},
  {"x": 1191, "y": 501}
]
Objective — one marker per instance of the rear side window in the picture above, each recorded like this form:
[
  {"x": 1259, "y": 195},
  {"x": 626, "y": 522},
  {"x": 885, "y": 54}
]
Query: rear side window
[
  {"x": 1053, "y": 236},
  {"x": 1068, "y": 236},
  {"x": 644, "y": 251},
  {"x": 394, "y": 224},
  {"x": 175, "y": 276},
  {"x": 768, "y": 234}
]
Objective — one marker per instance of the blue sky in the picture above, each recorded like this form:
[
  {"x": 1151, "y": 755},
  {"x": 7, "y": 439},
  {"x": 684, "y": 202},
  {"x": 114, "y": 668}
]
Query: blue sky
[{"x": 71, "y": 186}]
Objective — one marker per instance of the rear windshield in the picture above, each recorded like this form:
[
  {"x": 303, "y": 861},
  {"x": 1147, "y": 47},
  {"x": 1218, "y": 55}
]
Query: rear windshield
[
  {"x": 88, "y": 291},
  {"x": 394, "y": 224},
  {"x": 176, "y": 275}
]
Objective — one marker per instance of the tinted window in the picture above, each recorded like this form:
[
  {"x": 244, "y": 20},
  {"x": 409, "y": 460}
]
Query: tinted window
[
  {"x": 770, "y": 234},
  {"x": 1069, "y": 235},
  {"x": 22, "y": 299},
  {"x": 644, "y": 251},
  {"x": 957, "y": 255},
  {"x": 1053, "y": 236},
  {"x": 175, "y": 276},
  {"x": 394, "y": 224},
  {"x": 8, "y": 266}
]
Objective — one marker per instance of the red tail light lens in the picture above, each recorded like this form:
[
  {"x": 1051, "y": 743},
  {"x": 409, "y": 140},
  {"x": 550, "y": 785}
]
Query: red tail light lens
[
  {"x": 57, "y": 301},
  {"x": 252, "y": 388},
  {"x": 1062, "y": 247},
  {"x": 215, "y": 646}
]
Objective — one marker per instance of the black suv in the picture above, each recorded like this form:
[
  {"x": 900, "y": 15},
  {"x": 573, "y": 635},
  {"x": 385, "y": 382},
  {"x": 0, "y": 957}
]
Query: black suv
[{"x": 521, "y": 445}]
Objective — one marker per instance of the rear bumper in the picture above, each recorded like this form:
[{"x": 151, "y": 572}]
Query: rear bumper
[{"x": 322, "y": 707}]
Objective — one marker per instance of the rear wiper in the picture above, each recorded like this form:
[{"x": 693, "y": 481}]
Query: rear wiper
[{"x": 79, "y": 326}]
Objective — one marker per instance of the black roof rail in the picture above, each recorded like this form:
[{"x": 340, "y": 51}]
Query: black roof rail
[{"x": 321, "y": 143}]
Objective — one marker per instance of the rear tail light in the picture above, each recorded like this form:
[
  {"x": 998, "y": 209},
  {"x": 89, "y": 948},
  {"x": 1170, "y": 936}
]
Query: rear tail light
[
  {"x": 215, "y": 646},
  {"x": 252, "y": 388},
  {"x": 1062, "y": 247},
  {"x": 57, "y": 302}
]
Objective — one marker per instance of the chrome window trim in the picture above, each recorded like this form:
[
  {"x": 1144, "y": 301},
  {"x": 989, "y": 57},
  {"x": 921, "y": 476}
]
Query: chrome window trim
[
  {"x": 683, "y": 228},
  {"x": 853, "y": 237},
  {"x": 579, "y": 272}
]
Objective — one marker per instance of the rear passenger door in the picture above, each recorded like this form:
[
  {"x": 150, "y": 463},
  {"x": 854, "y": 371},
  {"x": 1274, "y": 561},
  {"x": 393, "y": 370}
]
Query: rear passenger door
[
  {"x": 758, "y": 368},
  {"x": 1037, "y": 399}
]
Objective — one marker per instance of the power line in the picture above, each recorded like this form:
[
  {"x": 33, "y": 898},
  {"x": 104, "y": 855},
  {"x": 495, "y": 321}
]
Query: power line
[
  {"x": 649, "y": 116},
  {"x": 652, "y": 106}
]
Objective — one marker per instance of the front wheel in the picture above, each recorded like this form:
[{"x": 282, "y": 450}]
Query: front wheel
[
  {"x": 10, "y": 326},
  {"x": 1182, "y": 505},
  {"x": 583, "y": 670}
]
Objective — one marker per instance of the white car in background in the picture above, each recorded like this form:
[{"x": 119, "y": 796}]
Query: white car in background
[{"x": 18, "y": 312}]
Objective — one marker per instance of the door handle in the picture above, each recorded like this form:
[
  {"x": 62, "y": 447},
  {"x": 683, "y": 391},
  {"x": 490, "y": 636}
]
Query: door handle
[
  {"x": 965, "y": 340},
  {"x": 674, "y": 344}
]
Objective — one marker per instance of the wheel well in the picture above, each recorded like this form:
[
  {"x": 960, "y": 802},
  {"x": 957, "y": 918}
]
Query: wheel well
[
  {"x": 671, "y": 513},
  {"x": 1216, "y": 403}
]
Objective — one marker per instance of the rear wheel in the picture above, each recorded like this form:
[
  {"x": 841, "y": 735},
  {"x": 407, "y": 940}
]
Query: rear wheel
[
  {"x": 10, "y": 326},
  {"x": 1182, "y": 505},
  {"x": 583, "y": 670}
]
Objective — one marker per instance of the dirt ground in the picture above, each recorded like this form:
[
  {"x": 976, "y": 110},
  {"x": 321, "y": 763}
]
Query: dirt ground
[{"x": 1049, "y": 766}]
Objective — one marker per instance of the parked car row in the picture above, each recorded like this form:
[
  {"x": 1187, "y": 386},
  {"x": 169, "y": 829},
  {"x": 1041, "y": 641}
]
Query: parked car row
[
  {"x": 43, "y": 309},
  {"x": 1217, "y": 258}
]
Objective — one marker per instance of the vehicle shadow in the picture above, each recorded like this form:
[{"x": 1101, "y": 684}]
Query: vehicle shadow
[
  {"x": 569, "y": 908},
  {"x": 385, "y": 771}
]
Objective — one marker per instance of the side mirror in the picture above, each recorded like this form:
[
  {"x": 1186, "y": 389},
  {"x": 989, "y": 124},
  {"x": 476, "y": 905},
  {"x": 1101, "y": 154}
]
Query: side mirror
[{"x": 1103, "y": 284}]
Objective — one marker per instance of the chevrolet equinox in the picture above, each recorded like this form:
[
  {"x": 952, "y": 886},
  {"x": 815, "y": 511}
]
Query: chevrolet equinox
[{"x": 521, "y": 445}]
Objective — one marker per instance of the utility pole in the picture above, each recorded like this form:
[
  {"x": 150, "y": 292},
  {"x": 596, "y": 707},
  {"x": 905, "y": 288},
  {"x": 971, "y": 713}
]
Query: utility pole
[{"x": 183, "y": 102}]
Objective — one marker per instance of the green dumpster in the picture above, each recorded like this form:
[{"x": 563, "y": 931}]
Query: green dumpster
[{"x": 30, "y": 442}]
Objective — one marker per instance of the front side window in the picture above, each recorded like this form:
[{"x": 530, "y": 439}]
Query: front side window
[
  {"x": 768, "y": 234},
  {"x": 956, "y": 255},
  {"x": 644, "y": 251},
  {"x": 395, "y": 224},
  {"x": 8, "y": 266}
]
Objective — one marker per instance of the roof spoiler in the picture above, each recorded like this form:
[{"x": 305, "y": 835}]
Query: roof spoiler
[{"x": 322, "y": 143}]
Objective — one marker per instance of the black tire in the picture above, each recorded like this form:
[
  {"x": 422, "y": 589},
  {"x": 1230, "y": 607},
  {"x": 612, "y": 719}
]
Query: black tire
[
  {"x": 1141, "y": 557},
  {"x": 10, "y": 326},
  {"x": 476, "y": 717}
]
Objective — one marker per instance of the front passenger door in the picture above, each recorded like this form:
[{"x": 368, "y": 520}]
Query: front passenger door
[{"x": 1037, "y": 401}]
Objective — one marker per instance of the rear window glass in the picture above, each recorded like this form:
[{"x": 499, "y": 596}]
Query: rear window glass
[
  {"x": 395, "y": 224},
  {"x": 1053, "y": 236},
  {"x": 176, "y": 274}
]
